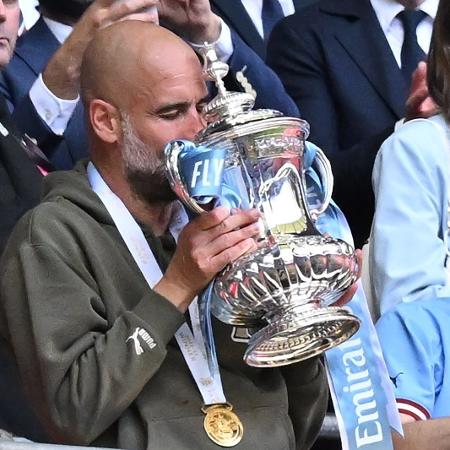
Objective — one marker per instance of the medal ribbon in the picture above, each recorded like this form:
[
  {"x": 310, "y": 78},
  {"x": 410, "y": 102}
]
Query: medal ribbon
[{"x": 190, "y": 343}]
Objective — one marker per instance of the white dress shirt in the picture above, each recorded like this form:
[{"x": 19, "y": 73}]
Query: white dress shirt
[
  {"x": 254, "y": 10},
  {"x": 224, "y": 45},
  {"x": 55, "y": 112},
  {"x": 30, "y": 14},
  {"x": 387, "y": 10}
]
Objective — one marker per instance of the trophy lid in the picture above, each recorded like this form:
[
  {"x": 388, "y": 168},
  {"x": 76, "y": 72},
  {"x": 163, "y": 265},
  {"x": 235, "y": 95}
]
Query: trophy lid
[{"x": 231, "y": 111}]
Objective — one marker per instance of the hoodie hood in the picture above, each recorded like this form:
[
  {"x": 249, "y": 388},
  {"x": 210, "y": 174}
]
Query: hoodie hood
[{"x": 73, "y": 185}]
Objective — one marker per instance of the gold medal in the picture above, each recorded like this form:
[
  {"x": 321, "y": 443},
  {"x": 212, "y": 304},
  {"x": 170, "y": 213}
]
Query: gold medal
[{"x": 222, "y": 425}]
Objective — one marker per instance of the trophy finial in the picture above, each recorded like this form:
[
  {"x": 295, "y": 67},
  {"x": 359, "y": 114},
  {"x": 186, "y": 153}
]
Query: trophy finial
[
  {"x": 214, "y": 69},
  {"x": 226, "y": 104}
]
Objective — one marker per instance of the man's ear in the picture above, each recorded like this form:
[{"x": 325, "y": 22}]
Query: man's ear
[{"x": 105, "y": 121}]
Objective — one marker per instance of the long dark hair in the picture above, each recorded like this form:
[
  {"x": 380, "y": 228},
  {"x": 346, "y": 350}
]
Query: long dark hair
[{"x": 439, "y": 59}]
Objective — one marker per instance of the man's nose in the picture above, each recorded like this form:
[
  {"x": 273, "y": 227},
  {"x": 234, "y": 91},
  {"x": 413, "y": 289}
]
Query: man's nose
[
  {"x": 196, "y": 124},
  {"x": 2, "y": 11}
]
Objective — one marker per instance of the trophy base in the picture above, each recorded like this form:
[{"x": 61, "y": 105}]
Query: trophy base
[{"x": 299, "y": 334}]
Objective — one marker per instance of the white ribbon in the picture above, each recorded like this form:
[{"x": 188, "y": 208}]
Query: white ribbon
[{"x": 191, "y": 344}]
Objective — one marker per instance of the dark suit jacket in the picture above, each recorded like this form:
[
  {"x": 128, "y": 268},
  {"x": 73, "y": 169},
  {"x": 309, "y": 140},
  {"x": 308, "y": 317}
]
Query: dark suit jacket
[
  {"x": 33, "y": 51},
  {"x": 36, "y": 47},
  {"x": 235, "y": 16},
  {"x": 336, "y": 64},
  {"x": 270, "y": 91},
  {"x": 20, "y": 181},
  {"x": 20, "y": 187}
]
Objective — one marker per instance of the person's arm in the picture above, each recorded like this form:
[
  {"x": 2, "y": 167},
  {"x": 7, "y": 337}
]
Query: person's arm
[
  {"x": 62, "y": 73},
  {"x": 408, "y": 250},
  {"x": 44, "y": 116},
  {"x": 412, "y": 336},
  {"x": 270, "y": 92},
  {"x": 198, "y": 24},
  {"x": 424, "y": 435},
  {"x": 76, "y": 365},
  {"x": 71, "y": 347}
]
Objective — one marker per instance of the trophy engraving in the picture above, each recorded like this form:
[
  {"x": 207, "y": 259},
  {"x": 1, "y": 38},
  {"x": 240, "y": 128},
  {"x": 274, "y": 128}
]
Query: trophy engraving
[{"x": 285, "y": 288}]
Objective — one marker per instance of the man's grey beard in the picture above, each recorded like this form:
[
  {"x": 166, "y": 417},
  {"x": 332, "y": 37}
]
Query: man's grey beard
[{"x": 143, "y": 168}]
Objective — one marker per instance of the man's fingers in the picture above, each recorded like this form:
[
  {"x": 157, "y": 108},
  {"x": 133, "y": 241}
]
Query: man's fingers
[
  {"x": 145, "y": 16},
  {"x": 419, "y": 76},
  {"x": 232, "y": 238},
  {"x": 347, "y": 295},
  {"x": 415, "y": 103},
  {"x": 222, "y": 221},
  {"x": 235, "y": 221},
  {"x": 123, "y": 8},
  {"x": 212, "y": 218},
  {"x": 417, "y": 98},
  {"x": 351, "y": 291},
  {"x": 231, "y": 254}
]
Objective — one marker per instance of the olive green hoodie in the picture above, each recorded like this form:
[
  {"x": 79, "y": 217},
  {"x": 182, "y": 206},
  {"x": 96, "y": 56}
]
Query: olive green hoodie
[{"x": 72, "y": 296}]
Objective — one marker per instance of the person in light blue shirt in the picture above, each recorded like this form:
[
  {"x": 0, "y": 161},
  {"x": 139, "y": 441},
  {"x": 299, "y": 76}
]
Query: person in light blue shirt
[{"x": 410, "y": 253}]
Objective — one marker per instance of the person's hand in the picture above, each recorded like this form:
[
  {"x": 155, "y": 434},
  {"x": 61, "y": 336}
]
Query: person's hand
[
  {"x": 419, "y": 103},
  {"x": 351, "y": 291},
  {"x": 62, "y": 73},
  {"x": 191, "y": 19},
  {"x": 103, "y": 13},
  {"x": 205, "y": 246}
]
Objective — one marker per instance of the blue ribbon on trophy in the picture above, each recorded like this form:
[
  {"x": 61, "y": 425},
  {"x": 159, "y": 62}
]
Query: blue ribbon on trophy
[
  {"x": 202, "y": 170},
  {"x": 362, "y": 393}
]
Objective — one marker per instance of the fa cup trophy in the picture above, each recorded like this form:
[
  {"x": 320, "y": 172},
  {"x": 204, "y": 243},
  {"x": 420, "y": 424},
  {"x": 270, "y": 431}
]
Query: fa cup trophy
[{"x": 284, "y": 289}]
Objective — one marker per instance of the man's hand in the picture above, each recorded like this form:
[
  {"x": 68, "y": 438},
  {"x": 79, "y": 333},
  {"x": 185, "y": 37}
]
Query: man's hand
[
  {"x": 62, "y": 73},
  {"x": 351, "y": 291},
  {"x": 192, "y": 19},
  {"x": 419, "y": 103},
  {"x": 205, "y": 247}
]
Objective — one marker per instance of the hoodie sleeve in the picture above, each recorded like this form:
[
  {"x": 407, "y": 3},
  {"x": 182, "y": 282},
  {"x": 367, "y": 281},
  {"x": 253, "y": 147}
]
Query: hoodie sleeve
[{"x": 80, "y": 370}]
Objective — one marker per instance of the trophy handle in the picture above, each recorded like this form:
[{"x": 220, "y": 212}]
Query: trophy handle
[
  {"x": 326, "y": 175},
  {"x": 172, "y": 152}
]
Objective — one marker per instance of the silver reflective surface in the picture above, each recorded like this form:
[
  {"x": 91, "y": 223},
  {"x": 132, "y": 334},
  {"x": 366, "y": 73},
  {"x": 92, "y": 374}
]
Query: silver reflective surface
[{"x": 286, "y": 287}]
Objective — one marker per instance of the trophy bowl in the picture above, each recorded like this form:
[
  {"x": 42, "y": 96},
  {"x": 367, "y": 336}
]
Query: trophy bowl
[{"x": 283, "y": 292}]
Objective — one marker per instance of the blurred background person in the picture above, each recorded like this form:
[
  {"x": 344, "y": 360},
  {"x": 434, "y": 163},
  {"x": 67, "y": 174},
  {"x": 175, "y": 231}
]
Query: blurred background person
[
  {"x": 409, "y": 256},
  {"x": 20, "y": 186},
  {"x": 42, "y": 81},
  {"x": 41, "y": 84},
  {"x": 348, "y": 64},
  {"x": 253, "y": 20}
]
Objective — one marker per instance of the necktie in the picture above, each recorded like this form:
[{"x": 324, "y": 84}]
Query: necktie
[
  {"x": 411, "y": 53},
  {"x": 272, "y": 12}
]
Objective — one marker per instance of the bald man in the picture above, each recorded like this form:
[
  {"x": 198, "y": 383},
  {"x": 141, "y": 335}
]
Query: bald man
[{"x": 96, "y": 292}]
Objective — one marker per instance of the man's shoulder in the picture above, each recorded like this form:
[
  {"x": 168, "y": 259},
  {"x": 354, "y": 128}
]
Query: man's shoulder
[
  {"x": 47, "y": 222},
  {"x": 412, "y": 140},
  {"x": 328, "y": 10},
  {"x": 32, "y": 52},
  {"x": 68, "y": 207}
]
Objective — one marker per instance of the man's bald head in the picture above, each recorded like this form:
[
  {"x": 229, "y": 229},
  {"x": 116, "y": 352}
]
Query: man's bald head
[
  {"x": 129, "y": 55},
  {"x": 142, "y": 87}
]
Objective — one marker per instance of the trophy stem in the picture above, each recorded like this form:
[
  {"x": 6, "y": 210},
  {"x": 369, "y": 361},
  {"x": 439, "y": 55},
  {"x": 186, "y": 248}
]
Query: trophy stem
[{"x": 300, "y": 333}]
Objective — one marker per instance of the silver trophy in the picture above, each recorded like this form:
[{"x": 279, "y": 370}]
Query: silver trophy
[{"x": 285, "y": 288}]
